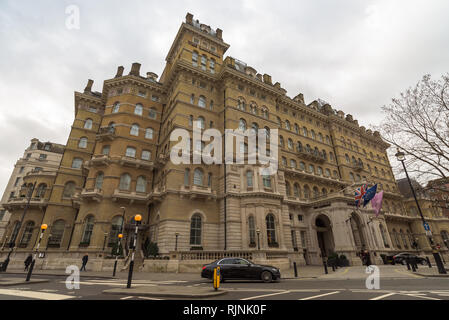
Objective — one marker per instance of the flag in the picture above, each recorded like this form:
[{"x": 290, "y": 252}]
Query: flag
[
  {"x": 359, "y": 194},
  {"x": 376, "y": 202},
  {"x": 370, "y": 193}
]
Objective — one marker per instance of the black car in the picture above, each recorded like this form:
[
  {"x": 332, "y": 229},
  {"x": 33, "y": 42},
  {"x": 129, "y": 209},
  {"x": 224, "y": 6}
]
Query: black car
[
  {"x": 238, "y": 268},
  {"x": 401, "y": 258}
]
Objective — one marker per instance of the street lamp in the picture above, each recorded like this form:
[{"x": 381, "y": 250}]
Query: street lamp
[
  {"x": 258, "y": 239},
  {"x": 138, "y": 219},
  {"x": 401, "y": 157},
  {"x": 30, "y": 271},
  {"x": 120, "y": 236},
  {"x": 176, "y": 242},
  {"x": 15, "y": 233}
]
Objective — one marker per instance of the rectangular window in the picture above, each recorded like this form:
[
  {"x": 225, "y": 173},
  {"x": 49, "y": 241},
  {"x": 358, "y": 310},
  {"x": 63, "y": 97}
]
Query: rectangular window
[
  {"x": 2, "y": 214},
  {"x": 303, "y": 239},
  {"x": 17, "y": 182},
  {"x": 154, "y": 98},
  {"x": 300, "y": 217},
  {"x": 146, "y": 155},
  {"x": 142, "y": 93},
  {"x": 21, "y": 169}
]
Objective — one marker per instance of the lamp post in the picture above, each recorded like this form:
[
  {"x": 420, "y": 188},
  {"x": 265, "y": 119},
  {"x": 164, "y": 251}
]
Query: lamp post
[
  {"x": 401, "y": 157},
  {"x": 120, "y": 236},
  {"x": 30, "y": 271},
  {"x": 258, "y": 239},
  {"x": 14, "y": 235},
  {"x": 138, "y": 219},
  {"x": 176, "y": 242}
]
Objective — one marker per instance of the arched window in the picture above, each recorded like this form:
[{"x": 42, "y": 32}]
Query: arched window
[
  {"x": 69, "y": 189},
  {"x": 292, "y": 163},
  {"x": 296, "y": 128},
  {"x": 254, "y": 127},
  {"x": 99, "y": 181},
  {"x": 187, "y": 177},
  {"x": 149, "y": 133},
  {"x": 88, "y": 229},
  {"x": 404, "y": 240},
  {"x": 134, "y": 130},
  {"x": 88, "y": 124},
  {"x": 384, "y": 236},
  {"x": 313, "y": 134},
  {"x": 320, "y": 171},
  {"x": 266, "y": 179},
  {"x": 316, "y": 192},
  {"x": 116, "y": 229},
  {"x": 195, "y": 230},
  {"x": 198, "y": 177},
  {"x": 141, "y": 185},
  {"x": 82, "y": 144},
  {"x": 200, "y": 123},
  {"x": 279, "y": 121},
  {"x": 320, "y": 137},
  {"x": 302, "y": 166},
  {"x": 287, "y": 189},
  {"x": 324, "y": 192},
  {"x": 203, "y": 62},
  {"x": 287, "y": 125},
  {"x": 296, "y": 190},
  {"x": 396, "y": 237},
  {"x": 242, "y": 124},
  {"x": 327, "y": 172},
  {"x": 290, "y": 143},
  {"x": 351, "y": 175},
  {"x": 305, "y": 132},
  {"x": 77, "y": 163},
  {"x": 56, "y": 234},
  {"x": 311, "y": 168},
  {"x": 40, "y": 192},
  {"x": 271, "y": 230},
  {"x": 130, "y": 152},
  {"x": 306, "y": 192},
  {"x": 249, "y": 178},
  {"x": 138, "y": 109},
  {"x": 281, "y": 141},
  {"x": 347, "y": 158},
  {"x": 252, "y": 230},
  {"x": 212, "y": 65},
  {"x": 27, "y": 234},
  {"x": 202, "y": 102},
  {"x": 125, "y": 182},
  {"x": 116, "y": 107}
]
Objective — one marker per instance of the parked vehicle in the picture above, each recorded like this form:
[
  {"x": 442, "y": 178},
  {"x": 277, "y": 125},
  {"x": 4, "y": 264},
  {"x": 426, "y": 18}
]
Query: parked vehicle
[
  {"x": 238, "y": 268},
  {"x": 401, "y": 258}
]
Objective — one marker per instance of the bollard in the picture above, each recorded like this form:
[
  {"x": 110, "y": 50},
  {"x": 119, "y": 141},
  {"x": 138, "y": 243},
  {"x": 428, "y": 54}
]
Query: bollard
[
  {"x": 325, "y": 267},
  {"x": 296, "y": 270},
  {"x": 428, "y": 262}
]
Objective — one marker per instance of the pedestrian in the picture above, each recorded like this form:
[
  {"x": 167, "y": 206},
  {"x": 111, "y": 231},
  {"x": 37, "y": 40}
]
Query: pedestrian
[
  {"x": 28, "y": 261},
  {"x": 368, "y": 258},
  {"x": 85, "y": 259}
]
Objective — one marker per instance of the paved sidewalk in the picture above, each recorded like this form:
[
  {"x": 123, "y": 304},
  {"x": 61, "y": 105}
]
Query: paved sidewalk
[{"x": 167, "y": 291}]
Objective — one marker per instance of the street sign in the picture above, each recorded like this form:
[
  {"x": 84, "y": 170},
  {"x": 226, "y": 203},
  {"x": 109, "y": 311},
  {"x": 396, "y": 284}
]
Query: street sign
[
  {"x": 428, "y": 233},
  {"x": 426, "y": 226}
]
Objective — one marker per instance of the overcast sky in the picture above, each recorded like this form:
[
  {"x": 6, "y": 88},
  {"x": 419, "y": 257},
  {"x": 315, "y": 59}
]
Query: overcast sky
[{"x": 356, "y": 55}]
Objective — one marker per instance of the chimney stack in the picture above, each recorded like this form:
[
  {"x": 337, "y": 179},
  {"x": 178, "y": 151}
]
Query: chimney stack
[
  {"x": 267, "y": 79},
  {"x": 119, "y": 72},
  {"x": 135, "y": 69},
  {"x": 189, "y": 18},
  {"x": 219, "y": 33},
  {"x": 88, "y": 88}
]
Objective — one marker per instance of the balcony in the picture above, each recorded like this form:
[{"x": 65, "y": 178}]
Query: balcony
[
  {"x": 313, "y": 176},
  {"x": 311, "y": 155},
  {"x": 98, "y": 160},
  {"x": 92, "y": 194},
  {"x": 357, "y": 166},
  {"x": 106, "y": 134},
  {"x": 21, "y": 202},
  {"x": 398, "y": 216},
  {"x": 294, "y": 200},
  {"x": 40, "y": 173},
  {"x": 131, "y": 196},
  {"x": 135, "y": 163},
  {"x": 198, "y": 192}
]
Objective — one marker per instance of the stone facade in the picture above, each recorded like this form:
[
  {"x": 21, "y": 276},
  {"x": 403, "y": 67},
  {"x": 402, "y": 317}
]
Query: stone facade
[{"x": 118, "y": 165}]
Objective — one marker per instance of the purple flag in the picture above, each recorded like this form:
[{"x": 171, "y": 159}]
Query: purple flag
[{"x": 376, "y": 202}]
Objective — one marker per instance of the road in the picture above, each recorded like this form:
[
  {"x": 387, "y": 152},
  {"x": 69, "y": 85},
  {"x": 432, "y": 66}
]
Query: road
[{"x": 397, "y": 284}]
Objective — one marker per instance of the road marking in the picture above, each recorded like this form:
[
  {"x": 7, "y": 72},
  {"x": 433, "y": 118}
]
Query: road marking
[
  {"x": 347, "y": 269},
  {"x": 111, "y": 284},
  {"x": 320, "y": 295},
  {"x": 35, "y": 294},
  {"x": 49, "y": 290},
  {"x": 266, "y": 295},
  {"x": 148, "y": 298},
  {"x": 420, "y": 296},
  {"x": 125, "y": 298},
  {"x": 384, "y": 296}
]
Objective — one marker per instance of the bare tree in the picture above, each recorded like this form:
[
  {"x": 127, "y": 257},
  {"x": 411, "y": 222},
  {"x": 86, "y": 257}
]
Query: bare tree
[{"x": 418, "y": 124}]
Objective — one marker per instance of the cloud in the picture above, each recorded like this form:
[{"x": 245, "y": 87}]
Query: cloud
[{"x": 356, "y": 55}]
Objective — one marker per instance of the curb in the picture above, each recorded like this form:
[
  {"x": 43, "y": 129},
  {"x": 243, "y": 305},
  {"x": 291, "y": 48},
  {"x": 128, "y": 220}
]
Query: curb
[
  {"x": 432, "y": 275},
  {"x": 136, "y": 293}
]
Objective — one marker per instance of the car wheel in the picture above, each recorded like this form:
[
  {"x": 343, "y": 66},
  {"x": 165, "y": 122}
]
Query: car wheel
[
  {"x": 423, "y": 262},
  {"x": 267, "y": 276}
]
